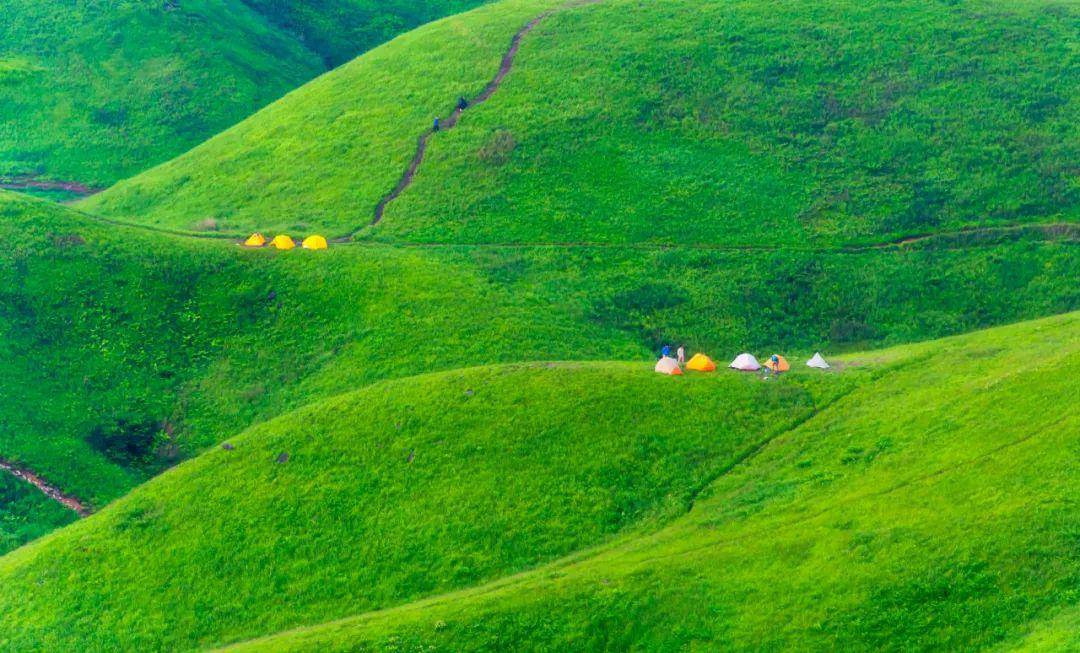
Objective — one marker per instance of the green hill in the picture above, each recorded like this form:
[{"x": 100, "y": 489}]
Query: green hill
[
  {"x": 92, "y": 92},
  {"x": 621, "y": 122},
  {"x": 443, "y": 433},
  {"x": 125, "y": 350},
  {"x": 914, "y": 497},
  {"x": 937, "y": 517}
]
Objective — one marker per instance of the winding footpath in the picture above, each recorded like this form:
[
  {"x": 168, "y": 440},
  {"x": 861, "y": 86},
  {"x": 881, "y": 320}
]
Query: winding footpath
[
  {"x": 30, "y": 183},
  {"x": 421, "y": 143},
  {"x": 46, "y": 488}
]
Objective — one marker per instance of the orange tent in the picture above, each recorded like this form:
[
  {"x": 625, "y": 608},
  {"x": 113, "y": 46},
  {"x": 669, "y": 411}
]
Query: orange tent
[
  {"x": 281, "y": 241},
  {"x": 701, "y": 363},
  {"x": 781, "y": 364}
]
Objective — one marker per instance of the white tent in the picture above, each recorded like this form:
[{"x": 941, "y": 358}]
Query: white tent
[
  {"x": 745, "y": 363},
  {"x": 818, "y": 362},
  {"x": 668, "y": 365}
]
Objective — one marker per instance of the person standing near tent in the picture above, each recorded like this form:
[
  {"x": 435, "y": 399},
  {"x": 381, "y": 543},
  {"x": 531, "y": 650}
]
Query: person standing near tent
[
  {"x": 665, "y": 352},
  {"x": 772, "y": 368},
  {"x": 680, "y": 354}
]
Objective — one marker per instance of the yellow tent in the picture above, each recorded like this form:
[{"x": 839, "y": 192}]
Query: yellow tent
[
  {"x": 314, "y": 242},
  {"x": 781, "y": 364},
  {"x": 701, "y": 363},
  {"x": 255, "y": 240},
  {"x": 281, "y": 241}
]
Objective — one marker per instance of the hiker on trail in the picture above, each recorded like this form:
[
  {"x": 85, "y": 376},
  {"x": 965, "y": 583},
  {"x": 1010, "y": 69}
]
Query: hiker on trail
[
  {"x": 665, "y": 352},
  {"x": 462, "y": 104},
  {"x": 436, "y": 126},
  {"x": 680, "y": 353}
]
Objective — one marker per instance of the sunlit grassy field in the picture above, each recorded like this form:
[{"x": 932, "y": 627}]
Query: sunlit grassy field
[
  {"x": 930, "y": 508},
  {"x": 680, "y": 122}
]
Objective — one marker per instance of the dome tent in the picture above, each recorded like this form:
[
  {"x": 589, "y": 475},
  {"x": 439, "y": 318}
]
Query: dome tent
[
  {"x": 255, "y": 240},
  {"x": 314, "y": 242},
  {"x": 668, "y": 365},
  {"x": 781, "y": 364},
  {"x": 817, "y": 361},
  {"x": 701, "y": 363},
  {"x": 745, "y": 363},
  {"x": 281, "y": 241}
]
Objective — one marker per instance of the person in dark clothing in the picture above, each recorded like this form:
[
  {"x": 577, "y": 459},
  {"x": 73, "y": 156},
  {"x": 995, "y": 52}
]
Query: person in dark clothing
[
  {"x": 436, "y": 126},
  {"x": 462, "y": 104}
]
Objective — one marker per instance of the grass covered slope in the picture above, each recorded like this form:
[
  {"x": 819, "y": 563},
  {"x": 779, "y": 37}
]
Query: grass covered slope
[
  {"x": 933, "y": 507},
  {"x": 96, "y": 91},
  {"x": 915, "y": 497},
  {"x": 398, "y": 491},
  {"x": 125, "y": 350},
  {"x": 792, "y": 124},
  {"x": 346, "y": 137},
  {"x": 122, "y": 350}
]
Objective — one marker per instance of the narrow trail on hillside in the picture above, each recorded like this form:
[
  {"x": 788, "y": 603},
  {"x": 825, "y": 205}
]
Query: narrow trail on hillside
[
  {"x": 31, "y": 183},
  {"x": 422, "y": 142},
  {"x": 46, "y": 488},
  {"x": 958, "y": 239}
]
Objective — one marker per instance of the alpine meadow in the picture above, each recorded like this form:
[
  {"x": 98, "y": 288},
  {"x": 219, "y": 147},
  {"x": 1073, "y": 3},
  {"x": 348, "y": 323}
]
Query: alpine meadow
[{"x": 539, "y": 325}]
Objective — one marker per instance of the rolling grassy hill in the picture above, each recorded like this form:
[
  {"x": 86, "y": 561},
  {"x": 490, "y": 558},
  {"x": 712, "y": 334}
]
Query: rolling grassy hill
[
  {"x": 94, "y": 91},
  {"x": 917, "y": 496},
  {"x": 402, "y": 475},
  {"x": 126, "y": 350},
  {"x": 623, "y": 122}
]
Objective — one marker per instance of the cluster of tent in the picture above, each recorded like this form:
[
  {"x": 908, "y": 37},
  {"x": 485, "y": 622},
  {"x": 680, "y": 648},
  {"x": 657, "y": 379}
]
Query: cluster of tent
[
  {"x": 281, "y": 241},
  {"x": 743, "y": 363}
]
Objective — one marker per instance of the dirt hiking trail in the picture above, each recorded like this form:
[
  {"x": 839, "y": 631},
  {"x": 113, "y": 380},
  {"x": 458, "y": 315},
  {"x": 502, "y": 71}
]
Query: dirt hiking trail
[
  {"x": 49, "y": 490},
  {"x": 421, "y": 143},
  {"x": 30, "y": 183}
]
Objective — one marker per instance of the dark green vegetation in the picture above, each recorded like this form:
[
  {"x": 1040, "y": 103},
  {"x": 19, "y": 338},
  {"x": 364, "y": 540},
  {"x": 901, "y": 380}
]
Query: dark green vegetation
[
  {"x": 337, "y": 30},
  {"x": 918, "y": 495},
  {"x": 26, "y": 514},
  {"x": 722, "y": 123},
  {"x": 95, "y": 91}
]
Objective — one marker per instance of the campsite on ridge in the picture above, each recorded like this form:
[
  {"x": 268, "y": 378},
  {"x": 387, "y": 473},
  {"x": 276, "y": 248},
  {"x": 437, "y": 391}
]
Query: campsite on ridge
[{"x": 539, "y": 325}]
